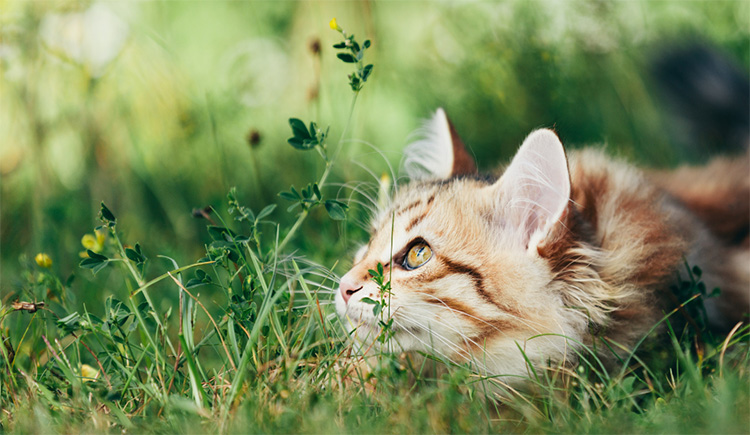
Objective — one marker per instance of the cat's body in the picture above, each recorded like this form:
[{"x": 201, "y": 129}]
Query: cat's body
[{"x": 553, "y": 255}]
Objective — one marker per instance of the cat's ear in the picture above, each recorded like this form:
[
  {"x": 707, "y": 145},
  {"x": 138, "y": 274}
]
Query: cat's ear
[
  {"x": 439, "y": 153},
  {"x": 533, "y": 193}
]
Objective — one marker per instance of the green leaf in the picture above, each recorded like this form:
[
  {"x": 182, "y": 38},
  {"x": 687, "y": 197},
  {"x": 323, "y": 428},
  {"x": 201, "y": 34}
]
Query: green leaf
[
  {"x": 335, "y": 211},
  {"x": 134, "y": 256},
  {"x": 300, "y": 144},
  {"x": 697, "y": 271},
  {"x": 309, "y": 144},
  {"x": 340, "y": 45},
  {"x": 369, "y": 301},
  {"x": 95, "y": 264},
  {"x": 288, "y": 196},
  {"x": 298, "y": 128},
  {"x": 346, "y": 57},
  {"x": 316, "y": 190},
  {"x": 366, "y": 71},
  {"x": 313, "y": 129},
  {"x": 266, "y": 211},
  {"x": 106, "y": 215},
  {"x": 366, "y": 43},
  {"x": 221, "y": 233},
  {"x": 96, "y": 256}
]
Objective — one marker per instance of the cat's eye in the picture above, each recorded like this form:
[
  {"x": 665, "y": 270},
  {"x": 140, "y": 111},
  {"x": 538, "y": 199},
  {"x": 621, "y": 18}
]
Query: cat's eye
[{"x": 418, "y": 255}]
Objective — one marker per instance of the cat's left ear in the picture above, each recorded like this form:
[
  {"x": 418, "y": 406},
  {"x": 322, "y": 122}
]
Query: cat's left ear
[
  {"x": 439, "y": 154},
  {"x": 532, "y": 196}
]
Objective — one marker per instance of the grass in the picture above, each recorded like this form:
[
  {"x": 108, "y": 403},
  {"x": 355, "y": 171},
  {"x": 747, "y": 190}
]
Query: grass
[{"x": 230, "y": 327}]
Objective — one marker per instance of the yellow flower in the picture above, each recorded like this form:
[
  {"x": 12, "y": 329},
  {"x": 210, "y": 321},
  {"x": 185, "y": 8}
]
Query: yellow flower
[
  {"x": 89, "y": 241},
  {"x": 334, "y": 25},
  {"x": 43, "y": 260},
  {"x": 88, "y": 373},
  {"x": 94, "y": 242},
  {"x": 384, "y": 191}
]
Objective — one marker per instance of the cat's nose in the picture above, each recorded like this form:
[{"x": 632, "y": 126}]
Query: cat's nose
[{"x": 348, "y": 287}]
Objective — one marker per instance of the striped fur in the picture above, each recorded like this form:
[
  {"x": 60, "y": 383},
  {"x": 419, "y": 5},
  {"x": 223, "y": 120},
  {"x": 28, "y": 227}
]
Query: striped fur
[{"x": 600, "y": 266}]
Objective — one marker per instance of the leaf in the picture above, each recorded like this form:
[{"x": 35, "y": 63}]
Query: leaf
[
  {"x": 366, "y": 71},
  {"x": 360, "y": 55},
  {"x": 298, "y": 128},
  {"x": 366, "y": 43},
  {"x": 346, "y": 57},
  {"x": 697, "y": 271},
  {"x": 94, "y": 264},
  {"x": 335, "y": 211},
  {"x": 301, "y": 144},
  {"x": 266, "y": 211},
  {"x": 96, "y": 256},
  {"x": 106, "y": 215},
  {"x": 221, "y": 233},
  {"x": 316, "y": 191},
  {"x": 339, "y": 46},
  {"x": 288, "y": 196},
  {"x": 134, "y": 255},
  {"x": 313, "y": 129},
  {"x": 369, "y": 301}
]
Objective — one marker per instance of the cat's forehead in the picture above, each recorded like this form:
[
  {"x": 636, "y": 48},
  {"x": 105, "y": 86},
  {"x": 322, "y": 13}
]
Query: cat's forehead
[{"x": 434, "y": 203}]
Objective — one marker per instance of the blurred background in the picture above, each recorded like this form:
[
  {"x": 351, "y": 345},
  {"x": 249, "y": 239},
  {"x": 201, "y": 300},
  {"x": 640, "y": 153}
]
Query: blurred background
[{"x": 160, "y": 107}]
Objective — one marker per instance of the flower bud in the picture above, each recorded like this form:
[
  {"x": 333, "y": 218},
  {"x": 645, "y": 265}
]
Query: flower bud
[{"x": 43, "y": 260}]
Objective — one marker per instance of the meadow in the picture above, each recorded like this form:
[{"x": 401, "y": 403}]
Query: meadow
[{"x": 181, "y": 183}]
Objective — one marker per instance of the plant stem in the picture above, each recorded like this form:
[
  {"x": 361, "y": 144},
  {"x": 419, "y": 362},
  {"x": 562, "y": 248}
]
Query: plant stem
[{"x": 323, "y": 177}]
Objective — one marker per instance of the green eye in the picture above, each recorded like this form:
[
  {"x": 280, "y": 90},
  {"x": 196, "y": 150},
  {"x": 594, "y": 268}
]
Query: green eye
[{"x": 418, "y": 255}]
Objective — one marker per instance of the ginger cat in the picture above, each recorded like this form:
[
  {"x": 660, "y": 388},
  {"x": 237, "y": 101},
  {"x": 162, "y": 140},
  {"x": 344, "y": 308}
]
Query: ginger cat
[{"x": 562, "y": 248}]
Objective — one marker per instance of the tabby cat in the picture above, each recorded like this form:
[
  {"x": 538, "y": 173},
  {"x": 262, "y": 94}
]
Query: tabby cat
[{"x": 561, "y": 250}]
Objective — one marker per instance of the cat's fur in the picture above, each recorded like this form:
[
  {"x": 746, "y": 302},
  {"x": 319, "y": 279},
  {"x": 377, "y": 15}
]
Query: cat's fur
[{"x": 559, "y": 250}]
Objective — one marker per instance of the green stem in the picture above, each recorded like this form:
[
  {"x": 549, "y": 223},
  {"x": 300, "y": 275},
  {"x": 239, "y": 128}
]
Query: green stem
[{"x": 323, "y": 178}]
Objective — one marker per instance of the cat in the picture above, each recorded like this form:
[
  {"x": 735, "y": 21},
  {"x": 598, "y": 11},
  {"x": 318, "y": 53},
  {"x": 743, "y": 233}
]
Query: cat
[{"x": 562, "y": 249}]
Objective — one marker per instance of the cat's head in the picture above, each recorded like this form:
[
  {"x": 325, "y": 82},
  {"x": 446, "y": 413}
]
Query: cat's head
[{"x": 465, "y": 256}]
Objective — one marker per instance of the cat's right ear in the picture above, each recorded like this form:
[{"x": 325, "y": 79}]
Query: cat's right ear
[
  {"x": 439, "y": 153},
  {"x": 532, "y": 196}
]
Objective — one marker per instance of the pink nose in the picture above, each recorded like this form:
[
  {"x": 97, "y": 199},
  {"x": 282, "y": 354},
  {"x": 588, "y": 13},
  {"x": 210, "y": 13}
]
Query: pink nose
[{"x": 348, "y": 287}]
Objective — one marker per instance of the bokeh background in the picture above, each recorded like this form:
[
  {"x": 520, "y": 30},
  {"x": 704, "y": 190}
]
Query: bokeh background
[{"x": 151, "y": 106}]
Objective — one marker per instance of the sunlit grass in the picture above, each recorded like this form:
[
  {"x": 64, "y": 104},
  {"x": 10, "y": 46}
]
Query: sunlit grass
[{"x": 231, "y": 328}]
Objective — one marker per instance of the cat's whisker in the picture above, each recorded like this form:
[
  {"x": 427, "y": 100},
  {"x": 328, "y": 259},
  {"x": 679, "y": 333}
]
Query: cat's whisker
[
  {"x": 429, "y": 346},
  {"x": 382, "y": 155},
  {"x": 371, "y": 205},
  {"x": 462, "y": 336},
  {"x": 521, "y": 320}
]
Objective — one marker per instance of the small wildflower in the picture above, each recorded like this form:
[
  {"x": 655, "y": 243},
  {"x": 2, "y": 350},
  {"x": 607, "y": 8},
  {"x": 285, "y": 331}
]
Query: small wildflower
[
  {"x": 88, "y": 373},
  {"x": 334, "y": 25},
  {"x": 254, "y": 138},
  {"x": 384, "y": 191},
  {"x": 94, "y": 242},
  {"x": 315, "y": 46},
  {"x": 43, "y": 260}
]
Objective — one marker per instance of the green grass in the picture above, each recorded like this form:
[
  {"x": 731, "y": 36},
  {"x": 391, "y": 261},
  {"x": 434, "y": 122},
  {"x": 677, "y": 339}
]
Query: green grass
[{"x": 230, "y": 328}]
